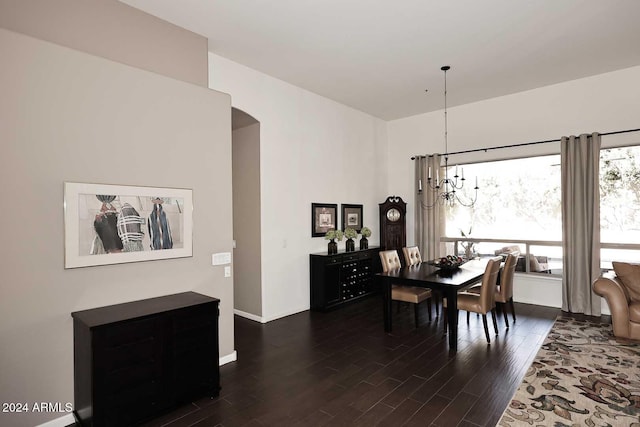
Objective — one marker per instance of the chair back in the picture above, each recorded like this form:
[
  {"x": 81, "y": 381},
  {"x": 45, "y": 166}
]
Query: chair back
[
  {"x": 412, "y": 255},
  {"x": 488, "y": 286},
  {"x": 390, "y": 260},
  {"x": 506, "y": 277}
]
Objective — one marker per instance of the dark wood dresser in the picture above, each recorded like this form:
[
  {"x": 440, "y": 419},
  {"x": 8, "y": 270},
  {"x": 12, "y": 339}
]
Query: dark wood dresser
[
  {"x": 343, "y": 277},
  {"x": 136, "y": 360}
]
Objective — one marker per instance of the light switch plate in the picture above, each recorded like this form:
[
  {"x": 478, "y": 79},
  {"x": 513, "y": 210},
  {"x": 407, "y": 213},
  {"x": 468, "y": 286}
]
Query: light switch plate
[
  {"x": 227, "y": 271},
  {"x": 221, "y": 258}
]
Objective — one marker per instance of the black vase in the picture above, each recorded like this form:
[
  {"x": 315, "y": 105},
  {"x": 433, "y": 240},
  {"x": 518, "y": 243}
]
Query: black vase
[
  {"x": 350, "y": 245},
  {"x": 364, "y": 243},
  {"x": 332, "y": 247}
]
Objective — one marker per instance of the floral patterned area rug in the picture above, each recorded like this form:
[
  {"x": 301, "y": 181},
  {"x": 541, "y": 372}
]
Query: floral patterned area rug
[{"x": 582, "y": 376}]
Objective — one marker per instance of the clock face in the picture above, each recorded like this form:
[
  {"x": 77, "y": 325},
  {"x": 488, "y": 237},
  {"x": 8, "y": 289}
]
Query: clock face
[{"x": 393, "y": 214}]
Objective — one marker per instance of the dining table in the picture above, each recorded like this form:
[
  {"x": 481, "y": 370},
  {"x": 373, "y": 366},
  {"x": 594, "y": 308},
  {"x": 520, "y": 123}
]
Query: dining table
[{"x": 425, "y": 275}]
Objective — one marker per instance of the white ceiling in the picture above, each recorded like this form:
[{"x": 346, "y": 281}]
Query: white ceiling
[{"x": 379, "y": 56}]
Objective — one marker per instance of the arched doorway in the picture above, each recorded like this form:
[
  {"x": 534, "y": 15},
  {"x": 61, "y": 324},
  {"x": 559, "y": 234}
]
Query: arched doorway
[{"x": 247, "y": 292}]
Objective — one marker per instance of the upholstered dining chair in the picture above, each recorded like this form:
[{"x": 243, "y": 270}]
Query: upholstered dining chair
[
  {"x": 410, "y": 294},
  {"x": 504, "y": 288},
  {"x": 482, "y": 302},
  {"x": 412, "y": 257},
  {"x": 504, "y": 294}
]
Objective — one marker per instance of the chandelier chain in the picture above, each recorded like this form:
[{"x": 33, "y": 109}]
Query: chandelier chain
[
  {"x": 444, "y": 189},
  {"x": 446, "y": 127}
]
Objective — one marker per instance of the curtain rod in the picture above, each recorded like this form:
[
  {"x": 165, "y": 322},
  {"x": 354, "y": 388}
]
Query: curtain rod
[{"x": 523, "y": 144}]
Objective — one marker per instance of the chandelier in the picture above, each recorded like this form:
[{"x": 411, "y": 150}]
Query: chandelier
[{"x": 444, "y": 189}]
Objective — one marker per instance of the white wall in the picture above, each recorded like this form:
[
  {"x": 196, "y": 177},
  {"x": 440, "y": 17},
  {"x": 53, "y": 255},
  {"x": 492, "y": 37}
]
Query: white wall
[
  {"x": 69, "y": 116},
  {"x": 311, "y": 150},
  {"x": 541, "y": 290},
  {"x": 603, "y": 103}
]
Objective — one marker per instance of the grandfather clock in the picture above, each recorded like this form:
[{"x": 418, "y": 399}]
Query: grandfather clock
[{"x": 393, "y": 229}]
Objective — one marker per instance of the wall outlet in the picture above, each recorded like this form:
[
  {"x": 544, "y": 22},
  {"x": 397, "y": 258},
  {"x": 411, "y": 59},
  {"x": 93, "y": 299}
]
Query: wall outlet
[{"x": 227, "y": 271}]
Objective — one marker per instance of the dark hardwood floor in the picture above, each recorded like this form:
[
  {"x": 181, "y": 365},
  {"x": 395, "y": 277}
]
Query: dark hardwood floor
[{"x": 341, "y": 369}]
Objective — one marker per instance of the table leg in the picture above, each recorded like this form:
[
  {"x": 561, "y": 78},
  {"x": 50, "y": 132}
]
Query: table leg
[
  {"x": 452, "y": 318},
  {"x": 386, "y": 300}
]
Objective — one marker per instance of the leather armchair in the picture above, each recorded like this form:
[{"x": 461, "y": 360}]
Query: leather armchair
[{"x": 623, "y": 303}]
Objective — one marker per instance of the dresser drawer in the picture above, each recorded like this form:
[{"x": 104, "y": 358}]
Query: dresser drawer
[
  {"x": 130, "y": 377},
  {"x": 195, "y": 331},
  {"x": 128, "y": 345},
  {"x": 334, "y": 260},
  {"x": 185, "y": 320},
  {"x": 126, "y": 333}
]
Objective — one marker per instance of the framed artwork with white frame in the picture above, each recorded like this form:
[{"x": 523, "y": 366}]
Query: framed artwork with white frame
[{"x": 113, "y": 224}]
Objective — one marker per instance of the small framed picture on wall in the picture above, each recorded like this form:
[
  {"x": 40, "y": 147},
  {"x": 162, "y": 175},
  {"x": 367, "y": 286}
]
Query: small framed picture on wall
[
  {"x": 324, "y": 217},
  {"x": 352, "y": 217}
]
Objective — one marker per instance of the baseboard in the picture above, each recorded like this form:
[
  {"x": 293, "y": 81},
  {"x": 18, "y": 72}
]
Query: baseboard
[
  {"x": 261, "y": 319},
  {"x": 65, "y": 421},
  {"x": 228, "y": 358},
  {"x": 249, "y": 316},
  {"x": 285, "y": 314}
]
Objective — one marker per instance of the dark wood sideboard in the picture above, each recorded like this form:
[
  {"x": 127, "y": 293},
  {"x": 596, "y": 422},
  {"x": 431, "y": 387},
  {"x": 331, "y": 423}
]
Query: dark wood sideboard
[
  {"x": 343, "y": 277},
  {"x": 137, "y": 360}
]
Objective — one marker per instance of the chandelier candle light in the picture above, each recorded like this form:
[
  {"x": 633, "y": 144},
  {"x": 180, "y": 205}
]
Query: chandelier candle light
[{"x": 445, "y": 189}]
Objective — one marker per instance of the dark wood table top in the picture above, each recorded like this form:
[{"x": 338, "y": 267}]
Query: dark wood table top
[{"x": 469, "y": 273}]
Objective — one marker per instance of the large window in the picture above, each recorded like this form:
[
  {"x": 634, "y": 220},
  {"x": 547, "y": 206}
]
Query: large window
[
  {"x": 620, "y": 205},
  {"x": 518, "y": 199},
  {"x": 519, "y": 205},
  {"x": 620, "y": 195}
]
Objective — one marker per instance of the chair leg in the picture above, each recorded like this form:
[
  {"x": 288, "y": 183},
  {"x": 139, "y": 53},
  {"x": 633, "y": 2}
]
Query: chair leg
[
  {"x": 486, "y": 328},
  {"x": 429, "y": 308},
  {"x": 513, "y": 310},
  {"x": 437, "y": 301},
  {"x": 503, "y": 307},
  {"x": 415, "y": 313},
  {"x": 495, "y": 323},
  {"x": 444, "y": 318}
]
